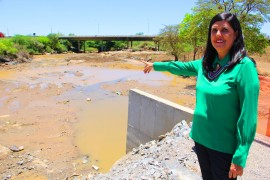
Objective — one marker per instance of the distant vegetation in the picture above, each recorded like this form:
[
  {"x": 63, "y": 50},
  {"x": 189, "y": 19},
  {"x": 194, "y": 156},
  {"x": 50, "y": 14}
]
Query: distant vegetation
[
  {"x": 181, "y": 40},
  {"x": 21, "y": 47}
]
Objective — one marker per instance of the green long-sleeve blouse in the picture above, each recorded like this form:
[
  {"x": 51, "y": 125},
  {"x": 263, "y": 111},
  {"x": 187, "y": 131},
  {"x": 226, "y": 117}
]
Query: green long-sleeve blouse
[{"x": 225, "y": 116}]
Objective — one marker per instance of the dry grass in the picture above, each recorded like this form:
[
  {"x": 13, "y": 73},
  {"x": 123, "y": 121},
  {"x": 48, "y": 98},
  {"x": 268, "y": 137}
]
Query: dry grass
[
  {"x": 263, "y": 62},
  {"x": 264, "y": 57}
]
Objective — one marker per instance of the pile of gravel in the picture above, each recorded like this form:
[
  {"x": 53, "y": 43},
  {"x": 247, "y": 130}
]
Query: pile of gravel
[
  {"x": 170, "y": 157},
  {"x": 173, "y": 157}
]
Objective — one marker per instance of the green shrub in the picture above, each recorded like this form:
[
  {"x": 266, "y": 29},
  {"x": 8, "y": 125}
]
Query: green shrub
[
  {"x": 91, "y": 49},
  {"x": 7, "y": 48},
  {"x": 21, "y": 41},
  {"x": 35, "y": 47},
  {"x": 56, "y": 45},
  {"x": 119, "y": 45},
  {"x": 49, "y": 49},
  {"x": 143, "y": 45},
  {"x": 61, "y": 48}
]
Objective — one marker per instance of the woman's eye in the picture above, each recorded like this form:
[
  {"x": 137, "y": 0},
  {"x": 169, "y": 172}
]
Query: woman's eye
[
  {"x": 225, "y": 30},
  {"x": 214, "y": 30}
]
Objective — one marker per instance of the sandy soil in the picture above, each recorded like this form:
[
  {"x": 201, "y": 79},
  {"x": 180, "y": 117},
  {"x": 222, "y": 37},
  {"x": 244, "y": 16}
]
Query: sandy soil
[{"x": 36, "y": 112}]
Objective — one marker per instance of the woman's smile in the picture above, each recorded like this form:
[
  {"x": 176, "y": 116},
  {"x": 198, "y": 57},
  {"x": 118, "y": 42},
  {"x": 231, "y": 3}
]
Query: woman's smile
[{"x": 222, "y": 37}]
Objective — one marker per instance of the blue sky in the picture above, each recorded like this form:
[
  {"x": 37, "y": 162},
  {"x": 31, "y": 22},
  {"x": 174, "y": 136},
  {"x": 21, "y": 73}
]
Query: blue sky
[{"x": 92, "y": 17}]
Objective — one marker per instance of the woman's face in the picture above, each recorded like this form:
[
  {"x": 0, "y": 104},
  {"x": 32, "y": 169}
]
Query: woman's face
[{"x": 222, "y": 37}]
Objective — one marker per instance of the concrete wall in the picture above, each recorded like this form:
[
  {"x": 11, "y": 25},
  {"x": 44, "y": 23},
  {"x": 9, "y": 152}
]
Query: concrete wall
[{"x": 150, "y": 116}]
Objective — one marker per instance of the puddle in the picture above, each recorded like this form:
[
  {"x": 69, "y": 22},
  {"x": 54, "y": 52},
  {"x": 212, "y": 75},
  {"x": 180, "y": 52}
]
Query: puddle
[
  {"x": 30, "y": 176},
  {"x": 7, "y": 74},
  {"x": 102, "y": 131},
  {"x": 79, "y": 76}
]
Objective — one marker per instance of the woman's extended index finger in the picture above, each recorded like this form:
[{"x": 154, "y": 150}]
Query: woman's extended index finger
[{"x": 143, "y": 61}]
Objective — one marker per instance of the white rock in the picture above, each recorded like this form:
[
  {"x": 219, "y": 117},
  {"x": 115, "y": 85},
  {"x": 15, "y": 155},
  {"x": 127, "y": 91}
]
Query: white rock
[{"x": 95, "y": 167}]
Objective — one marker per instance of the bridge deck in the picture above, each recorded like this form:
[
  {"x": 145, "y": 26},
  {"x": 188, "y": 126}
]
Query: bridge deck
[{"x": 110, "y": 38}]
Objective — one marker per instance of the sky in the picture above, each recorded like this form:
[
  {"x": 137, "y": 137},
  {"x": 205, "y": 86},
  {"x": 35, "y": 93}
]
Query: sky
[{"x": 93, "y": 17}]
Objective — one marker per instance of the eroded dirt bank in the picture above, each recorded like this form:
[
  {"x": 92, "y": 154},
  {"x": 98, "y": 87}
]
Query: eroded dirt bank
[{"x": 50, "y": 106}]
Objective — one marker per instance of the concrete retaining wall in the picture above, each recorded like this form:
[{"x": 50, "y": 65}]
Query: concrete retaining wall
[{"x": 150, "y": 116}]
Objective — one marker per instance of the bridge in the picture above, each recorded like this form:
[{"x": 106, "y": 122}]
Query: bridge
[{"x": 128, "y": 39}]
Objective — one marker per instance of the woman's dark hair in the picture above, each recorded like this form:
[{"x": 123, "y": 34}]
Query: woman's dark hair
[{"x": 237, "y": 51}]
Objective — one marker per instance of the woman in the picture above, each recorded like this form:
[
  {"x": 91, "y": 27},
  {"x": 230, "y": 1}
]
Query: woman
[{"x": 227, "y": 88}]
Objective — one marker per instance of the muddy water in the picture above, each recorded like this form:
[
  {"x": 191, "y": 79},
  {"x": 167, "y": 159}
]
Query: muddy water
[{"x": 101, "y": 132}]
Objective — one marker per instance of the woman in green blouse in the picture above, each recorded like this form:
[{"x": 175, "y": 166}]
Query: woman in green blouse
[{"x": 227, "y": 89}]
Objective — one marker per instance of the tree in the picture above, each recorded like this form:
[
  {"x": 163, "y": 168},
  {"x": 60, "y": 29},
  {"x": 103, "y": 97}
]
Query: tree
[
  {"x": 56, "y": 44},
  {"x": 251, "y": 14},
  {"x": 244, "y": 9},
  {"x": 169, "y": 40},
  {"x": 255, "y": 45},
  {"x": 193, "y": 30},
  {"x": 2, "y": 35}
]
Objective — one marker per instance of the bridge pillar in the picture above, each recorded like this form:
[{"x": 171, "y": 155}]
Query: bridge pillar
[
  {"x": 84, "y": 44},
  {"x": 78, "y": 43},
  {"x": 156, "y": 46}
]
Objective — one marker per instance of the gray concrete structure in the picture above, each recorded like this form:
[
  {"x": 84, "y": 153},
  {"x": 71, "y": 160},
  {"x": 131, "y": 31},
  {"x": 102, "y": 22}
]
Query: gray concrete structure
[
  {"x": 128, "y": 39},
  {"x": 111, "y": 38},
  {"x": 150, "y": 116}
]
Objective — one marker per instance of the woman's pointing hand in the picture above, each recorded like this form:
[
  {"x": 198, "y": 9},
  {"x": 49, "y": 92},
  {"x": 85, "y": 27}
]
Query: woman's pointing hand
[{"x": 148, "y": 66}]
